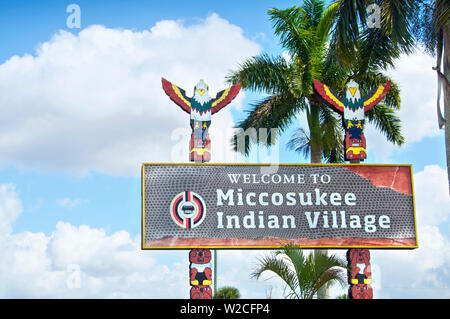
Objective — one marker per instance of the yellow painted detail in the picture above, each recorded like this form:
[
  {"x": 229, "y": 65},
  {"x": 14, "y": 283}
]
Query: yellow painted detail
[
  {"x": 354, "y": 281},
  {"x": 207, "y": 282},
  {"x": 178, "y": 93},
  {"x": 356, "y": 150},
  {"x": 368, "y": 281},
  {"x": 375, "y": 96},
  {"x": 194, "y": 282},
  {"x": 331, "y": 96},
  {"x": 201, "y": 151},
  {"x": 352, "y": 91},
  {"x": 224, "y": 95}
]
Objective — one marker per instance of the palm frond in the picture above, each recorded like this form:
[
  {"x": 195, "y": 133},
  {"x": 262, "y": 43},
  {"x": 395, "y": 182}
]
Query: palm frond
[
  {"x": 385, "y": 120},
  {"x": 281, "y": 269},
  {"x": 299, "y": 142},
  {"x": 275, "y": 111},
  {"x": 371, "y": 80},
  {"x": 347, "y": 28},
  {"x": 326, "y": 270},
  {"x": 303, "y": 275},
  {"x": 262, "y": 73},
  {"x": 396, "y": 23},
  {"x": 332, "y": 136},
  {"x": 314, "y": 10},
  {"x": 290, "y": 25},
  {"x": 441, "y": 14},
  {"x": 326, "y": 22}
]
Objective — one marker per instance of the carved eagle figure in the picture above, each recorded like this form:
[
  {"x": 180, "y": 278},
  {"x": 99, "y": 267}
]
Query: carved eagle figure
[
  {"x": 352, "y": 106},
  {"x": 201, "y": 105}
]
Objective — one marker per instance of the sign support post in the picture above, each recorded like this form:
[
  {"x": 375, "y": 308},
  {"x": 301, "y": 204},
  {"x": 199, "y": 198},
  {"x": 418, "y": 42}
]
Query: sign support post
[
  {"x": 200, "y": 108},
  {"x": 353, "y": 106},
  {"x": 359, "y": 274},
  {"x": 239, "y": 206}
]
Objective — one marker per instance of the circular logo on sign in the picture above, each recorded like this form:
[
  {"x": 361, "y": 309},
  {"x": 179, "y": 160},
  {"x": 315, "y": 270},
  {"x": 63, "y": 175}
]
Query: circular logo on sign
[{"x": 187, "y": 209}]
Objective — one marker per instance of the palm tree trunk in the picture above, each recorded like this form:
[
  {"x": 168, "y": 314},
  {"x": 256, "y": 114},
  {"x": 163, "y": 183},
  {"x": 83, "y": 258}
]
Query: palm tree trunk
[
  {"x": 446, "y": 69},
  {"x": 316, "y": 158}
]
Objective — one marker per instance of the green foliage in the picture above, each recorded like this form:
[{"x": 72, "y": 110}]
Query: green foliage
[
  {"x": 227, "y": 292},
  {"x": 429, "y": 19},
  {"x": 383, "y": 44},
  {"x": 303, "y": 274},
  {"x": 313, "y": 37}
]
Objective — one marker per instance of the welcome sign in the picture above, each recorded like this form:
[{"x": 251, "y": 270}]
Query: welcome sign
[{"x": 264, "y": 206}]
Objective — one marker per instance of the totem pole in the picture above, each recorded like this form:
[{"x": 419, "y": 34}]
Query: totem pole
[
  {"x": 200, "y": 108},
  {"x": 359, "y": 274},
  {"x": 200, "y": 273},
  {"x": 352, "y": 107}
]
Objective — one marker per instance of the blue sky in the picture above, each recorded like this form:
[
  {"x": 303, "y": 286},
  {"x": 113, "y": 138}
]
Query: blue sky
[
  {"x": 53, "y": 188},
  {"x": 35, "y": 22}
]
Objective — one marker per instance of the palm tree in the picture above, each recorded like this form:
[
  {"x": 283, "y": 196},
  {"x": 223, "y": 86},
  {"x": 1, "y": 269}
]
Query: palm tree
[
  {"x": 404, "y": 23},
  {"x": 227, "y": 292},
  {"x": 305, "y": 34},
  {"x": 303, "y": 275},
  {"x": 385, "y": 43},
  {"x": 432, "y": 25}
]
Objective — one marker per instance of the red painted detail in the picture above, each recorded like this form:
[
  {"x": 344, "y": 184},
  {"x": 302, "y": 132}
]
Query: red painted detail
[{"x": 232, "y": 93}]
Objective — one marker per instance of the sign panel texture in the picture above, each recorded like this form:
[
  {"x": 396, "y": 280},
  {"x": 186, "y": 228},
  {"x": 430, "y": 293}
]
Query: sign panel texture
[{"x": 262, "y": 206}]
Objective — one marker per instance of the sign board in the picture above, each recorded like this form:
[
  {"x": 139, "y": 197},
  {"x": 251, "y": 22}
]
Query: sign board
[{"x": 265, "y": 206}]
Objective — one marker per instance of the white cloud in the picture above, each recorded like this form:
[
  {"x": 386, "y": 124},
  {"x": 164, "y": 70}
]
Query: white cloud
[
  {"x": 431, "y": 194},
  {"x": 94, "y": 101},
  {"x": 423, "y": 272},
  {"x": 418, "y": 85},
  {"x": 113, "y": 265},
  {"x": 10, "y": 208},
  {"x": 418, "y": 273},
  {"x": 33, "y": 265}
]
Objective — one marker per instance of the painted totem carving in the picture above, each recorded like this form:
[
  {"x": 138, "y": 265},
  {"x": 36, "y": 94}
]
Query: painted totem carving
[
  {"x": 200, "y": 273},
  {"x": 359, "y": 274},
  {"x": 200, "y": 107},
  {"x": 352, "y": 107}
]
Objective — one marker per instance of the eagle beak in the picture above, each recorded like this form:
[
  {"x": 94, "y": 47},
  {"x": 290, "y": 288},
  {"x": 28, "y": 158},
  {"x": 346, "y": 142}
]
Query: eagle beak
[
  {"x": 201, "y": 92},
  {"x": 352, "y": 90}
]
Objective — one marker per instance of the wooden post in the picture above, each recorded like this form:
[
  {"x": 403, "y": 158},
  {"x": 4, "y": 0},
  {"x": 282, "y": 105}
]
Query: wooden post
[
  {"x": 200, "y": 273},
  {"x": 200, "y": 108},
  {"x": 353, "y": 106},
  {"x": 215, "y": 272},
  {"x": 359, "y": 274}
]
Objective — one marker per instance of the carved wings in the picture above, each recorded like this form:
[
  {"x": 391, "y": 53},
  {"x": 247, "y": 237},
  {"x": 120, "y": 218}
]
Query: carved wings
[
  {"x": 375, "y": 97},
  {"x": 177, "y": 94},
  {"x": 328, "y": 96},
  {"x": 224, "y": 97}
]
